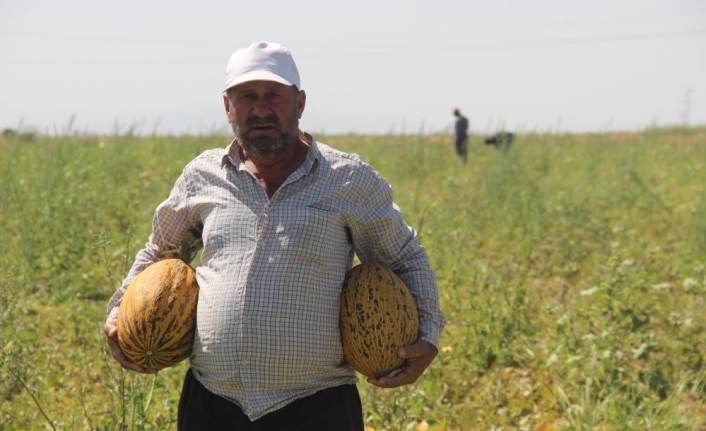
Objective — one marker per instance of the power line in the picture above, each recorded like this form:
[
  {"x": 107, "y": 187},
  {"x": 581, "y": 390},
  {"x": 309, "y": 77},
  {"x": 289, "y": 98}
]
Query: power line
[
  {"x": 412, "y": 50},
  {"x": 525, "y": 44},
  {"x": 616, "y": 38},
  {"x": 191, "y": 41},
  {"x": 541, "y": 42}
]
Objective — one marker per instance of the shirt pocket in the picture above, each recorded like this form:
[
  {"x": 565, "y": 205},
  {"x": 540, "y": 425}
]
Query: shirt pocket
[{"x": 318, "y": 235}]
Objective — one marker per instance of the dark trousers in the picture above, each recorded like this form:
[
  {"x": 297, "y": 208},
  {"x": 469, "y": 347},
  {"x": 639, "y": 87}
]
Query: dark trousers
[
  {"x": 462, "y": 146},
  {"x": 333, "y": 409}
]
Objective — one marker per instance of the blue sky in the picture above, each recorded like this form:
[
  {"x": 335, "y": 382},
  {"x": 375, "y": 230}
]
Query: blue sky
[{"x": 368, "y": 66}]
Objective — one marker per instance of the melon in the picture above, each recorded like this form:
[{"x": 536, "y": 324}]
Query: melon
[
  {"x": 157, "y": 315},
  {"x": 378, "y": 316}
]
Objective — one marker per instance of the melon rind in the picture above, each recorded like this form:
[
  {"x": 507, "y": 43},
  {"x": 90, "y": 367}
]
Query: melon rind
[
  {"x": 378, "y": 316},
  {"x": 157, "y": 315}
]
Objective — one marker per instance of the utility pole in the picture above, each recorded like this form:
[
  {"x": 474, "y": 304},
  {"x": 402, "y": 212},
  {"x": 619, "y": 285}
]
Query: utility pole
[{"x": 687, "y": 106}]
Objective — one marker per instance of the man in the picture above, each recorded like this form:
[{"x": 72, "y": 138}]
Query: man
[
  {"x": 461, "y": 128},
  {"x": 281, "y": 217},
  {"x": 501, "y": 140}
]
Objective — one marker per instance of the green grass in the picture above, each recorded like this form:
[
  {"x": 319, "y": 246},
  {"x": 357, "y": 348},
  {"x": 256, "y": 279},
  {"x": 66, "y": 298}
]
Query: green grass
[{"x": 572, "y": 271}]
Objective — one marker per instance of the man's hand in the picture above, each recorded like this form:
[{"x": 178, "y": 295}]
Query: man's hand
[
  {"x": 111, "y": 334},
  {"x": 418, "y": 357}
]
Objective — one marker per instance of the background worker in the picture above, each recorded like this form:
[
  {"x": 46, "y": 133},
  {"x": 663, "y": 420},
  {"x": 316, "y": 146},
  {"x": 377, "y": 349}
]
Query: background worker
[
  {"x": 461, "y": 129},
  {"x": 501, "y": 140}
]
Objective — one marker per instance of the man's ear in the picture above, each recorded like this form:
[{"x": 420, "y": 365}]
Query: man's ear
[
  {"x": 301, "y": 103},
  {"x": 226, "y": 105}
]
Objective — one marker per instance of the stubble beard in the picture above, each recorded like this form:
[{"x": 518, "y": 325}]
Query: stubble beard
[{"x": 266, "y": 147}]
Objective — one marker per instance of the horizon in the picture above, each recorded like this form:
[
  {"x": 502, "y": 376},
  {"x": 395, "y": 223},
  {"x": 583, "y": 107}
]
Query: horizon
[{"x": 29, "y": 135}]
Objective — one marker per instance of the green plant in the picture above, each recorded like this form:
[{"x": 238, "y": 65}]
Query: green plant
[{"x": 571, "y": 271}]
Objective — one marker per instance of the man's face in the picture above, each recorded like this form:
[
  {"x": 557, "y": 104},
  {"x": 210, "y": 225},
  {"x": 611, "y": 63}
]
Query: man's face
[{"x": 264, "y": 116}]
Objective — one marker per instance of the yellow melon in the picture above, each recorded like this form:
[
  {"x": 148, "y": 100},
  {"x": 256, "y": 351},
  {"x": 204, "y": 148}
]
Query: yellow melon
[
  {"x": 378, "y": 316},
  {"x": 157, "y": 315}
]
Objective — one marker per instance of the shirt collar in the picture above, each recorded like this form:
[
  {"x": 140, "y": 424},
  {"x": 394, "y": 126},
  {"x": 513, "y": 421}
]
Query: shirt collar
[
  {"x": 312, "y": 156},
  {"x": 231, "y": 155}
]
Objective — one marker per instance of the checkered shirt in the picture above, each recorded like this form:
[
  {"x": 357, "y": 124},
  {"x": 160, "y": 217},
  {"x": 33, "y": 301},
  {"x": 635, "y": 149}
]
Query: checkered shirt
[{"x": 271, "y": 270}]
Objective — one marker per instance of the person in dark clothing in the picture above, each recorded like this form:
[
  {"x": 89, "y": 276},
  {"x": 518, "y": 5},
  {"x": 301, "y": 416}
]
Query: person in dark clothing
[
  {"x": 501, "y": 140},
  {"x": 461, "y": 128}
]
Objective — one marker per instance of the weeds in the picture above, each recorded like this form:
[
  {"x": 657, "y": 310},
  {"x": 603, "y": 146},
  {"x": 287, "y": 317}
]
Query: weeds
[{"x": 571, "y": 270}]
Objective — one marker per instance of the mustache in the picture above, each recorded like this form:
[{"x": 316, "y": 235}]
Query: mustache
[{"x": 271, "y": 119}]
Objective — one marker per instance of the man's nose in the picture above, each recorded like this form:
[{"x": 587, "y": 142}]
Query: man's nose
[{"x": 261, "y": 107}]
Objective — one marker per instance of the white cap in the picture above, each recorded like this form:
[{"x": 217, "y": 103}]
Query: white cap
[{"x": 262, "y": 61}]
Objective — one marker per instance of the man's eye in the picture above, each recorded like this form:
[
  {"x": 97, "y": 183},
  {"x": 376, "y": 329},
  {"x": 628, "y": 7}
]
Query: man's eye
[{"x": 247, "y": 97}]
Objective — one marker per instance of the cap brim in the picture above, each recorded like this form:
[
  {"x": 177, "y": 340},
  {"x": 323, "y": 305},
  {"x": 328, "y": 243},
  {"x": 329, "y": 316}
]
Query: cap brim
[{"x": 259, "y": 75}]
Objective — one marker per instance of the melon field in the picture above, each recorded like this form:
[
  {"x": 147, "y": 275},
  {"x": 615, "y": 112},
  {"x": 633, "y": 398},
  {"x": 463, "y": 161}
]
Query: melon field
[{"x": 572, "y": 271}]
